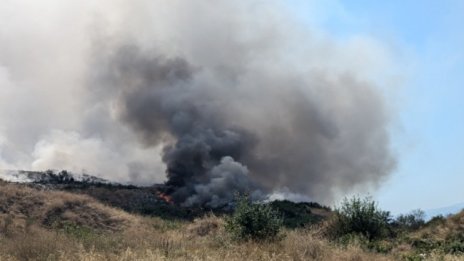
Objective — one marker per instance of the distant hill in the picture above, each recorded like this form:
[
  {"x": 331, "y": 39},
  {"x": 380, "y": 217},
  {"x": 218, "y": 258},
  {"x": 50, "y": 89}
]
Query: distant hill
[
  {"x": 150, "y": 200},
  {"x": 453, "y": 209},
  {"x": 50, "y": 177}
]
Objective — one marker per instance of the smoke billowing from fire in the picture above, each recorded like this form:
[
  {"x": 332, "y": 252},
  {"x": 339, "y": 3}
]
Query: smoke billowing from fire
[{"x": 222, "y": 96}]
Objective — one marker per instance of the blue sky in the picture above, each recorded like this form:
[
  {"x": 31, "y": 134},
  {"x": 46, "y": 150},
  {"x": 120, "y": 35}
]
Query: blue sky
[{"x": 428, "y": 137}]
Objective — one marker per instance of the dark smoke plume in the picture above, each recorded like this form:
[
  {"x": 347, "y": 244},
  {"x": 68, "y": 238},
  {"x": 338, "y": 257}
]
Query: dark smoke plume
[
  {"x": 214, "y": 148},
  {"x": 235, "y": 96},
  {"x": 158, "y": 98}
]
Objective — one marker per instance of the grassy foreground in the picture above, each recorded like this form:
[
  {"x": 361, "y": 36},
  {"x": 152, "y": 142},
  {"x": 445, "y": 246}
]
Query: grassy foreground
[
  {"x": 52, "y": 225},
  {"x": 156, "y": 239}
]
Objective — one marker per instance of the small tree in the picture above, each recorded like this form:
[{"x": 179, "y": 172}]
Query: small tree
[
  {"x": 362, "y": 217},
  {"x": 254, "y": 221},
  {"x": 411, "y": 221}
]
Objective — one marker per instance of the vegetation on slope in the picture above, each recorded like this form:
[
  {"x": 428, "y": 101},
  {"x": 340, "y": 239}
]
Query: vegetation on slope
[
  {"x": 27, "y": 235},
  {"x": 43, "y": 224},
  {"x": 302, "y": 214}
]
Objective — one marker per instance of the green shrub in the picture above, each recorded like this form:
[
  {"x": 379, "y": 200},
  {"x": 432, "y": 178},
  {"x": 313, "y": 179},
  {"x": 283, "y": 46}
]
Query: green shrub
[
  {"x": 411, "y": 221},
  {"x": 253, "y": 221},
  {"x": 454, "y": 247},
  {"x": 360, "y": 216},
  {"x": 425, "y": 245},
  {"x": 436, "y": 220},
  {"x": 77, "y": 231}
]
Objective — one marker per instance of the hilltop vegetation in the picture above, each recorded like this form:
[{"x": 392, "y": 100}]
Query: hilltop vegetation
[{"x": 38, "y": 223}]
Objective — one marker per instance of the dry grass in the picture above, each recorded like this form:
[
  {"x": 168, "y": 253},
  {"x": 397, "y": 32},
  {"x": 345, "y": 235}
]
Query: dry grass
[
  {"x": 451, "y": 226},
  {"x": 21, "y": 206},
  {"x": 156, "y": 239},
  {"x": 98, "y": 232}
]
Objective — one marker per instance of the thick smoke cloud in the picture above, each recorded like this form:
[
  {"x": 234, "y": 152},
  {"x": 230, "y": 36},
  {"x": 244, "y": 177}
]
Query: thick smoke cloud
[
  {"x": 238, "y": 99},
  {"x": 159, "y": 97}
]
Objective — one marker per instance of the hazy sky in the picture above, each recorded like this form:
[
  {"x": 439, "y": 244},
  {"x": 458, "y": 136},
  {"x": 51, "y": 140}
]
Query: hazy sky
[{"x": 426, "y": 41}]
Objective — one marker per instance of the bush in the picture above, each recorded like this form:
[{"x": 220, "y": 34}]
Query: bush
[
  {"x": 253, "y": 221},
  {"x": 411, "y": 221},
  {"x": 362, "y": 217},
  {"x": 296, "y": 215},
  {"x": 436, "y": 220},
  {"x": 454, "y": 247}
]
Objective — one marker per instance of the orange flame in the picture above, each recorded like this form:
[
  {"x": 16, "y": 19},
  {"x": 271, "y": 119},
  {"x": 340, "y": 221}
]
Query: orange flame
[{"x": 165, "y": 197}]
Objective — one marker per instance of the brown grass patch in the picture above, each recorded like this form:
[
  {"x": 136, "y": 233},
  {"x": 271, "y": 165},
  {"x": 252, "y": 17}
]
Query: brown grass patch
[{"x": 21, "y": 205}]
